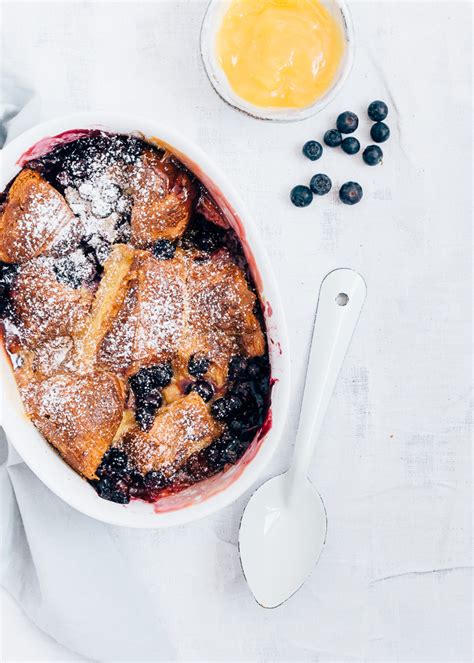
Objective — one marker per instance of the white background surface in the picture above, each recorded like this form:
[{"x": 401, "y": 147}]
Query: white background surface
[{"x": 394, "y": 466}]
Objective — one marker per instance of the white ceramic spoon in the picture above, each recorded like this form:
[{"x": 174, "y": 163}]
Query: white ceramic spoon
[{"x": 283, "y": 528}]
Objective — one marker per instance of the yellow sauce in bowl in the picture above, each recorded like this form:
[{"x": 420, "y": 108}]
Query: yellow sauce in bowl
[{"x": 279, "y": 53}]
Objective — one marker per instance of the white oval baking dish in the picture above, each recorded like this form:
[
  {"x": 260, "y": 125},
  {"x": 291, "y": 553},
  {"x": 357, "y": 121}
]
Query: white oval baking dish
[{"x": 207, "y": 496}]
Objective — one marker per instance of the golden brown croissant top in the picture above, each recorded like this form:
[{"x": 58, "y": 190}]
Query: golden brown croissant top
[{"x": 32, "y": 218}]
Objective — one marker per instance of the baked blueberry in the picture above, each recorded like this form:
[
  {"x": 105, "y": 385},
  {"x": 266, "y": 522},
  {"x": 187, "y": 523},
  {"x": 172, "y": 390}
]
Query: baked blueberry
[
  {"x": 347, "y": 122},
  {"x": 225, "y": 407},
  {"x": 377, "y": 111},
  {"x": 198, "y": 365},
  {"x": 313, "y": 150},
  {"x": 145, "y": 417},
  {"x": 237, "y": 367},
  {"x": 350, "y": 145},
  {"x": 301, "y": 196},
  {"x": 7, "y": 273},
  {"x": 203, "y": 388},
  {"x": 119, "y": 497},
  {"x": 74, "y": 270},
  {"x": 4, "y": 300},
  {"x": 372, "y": 155},
  {"x": 350, "y": 193},
  {"x": 203, "y": 235},
  {"x": 380, "y": 132},
  {"x": 152, "y": 399},
  {"x": 154, "y": 480},
  {"x": 320, "y": 184},
  {"x": 147, "y": 378},
  {"x": 117, "y": 459},
  {"x": 164, "y": 249},
  {"x": 333, "y": 138}
]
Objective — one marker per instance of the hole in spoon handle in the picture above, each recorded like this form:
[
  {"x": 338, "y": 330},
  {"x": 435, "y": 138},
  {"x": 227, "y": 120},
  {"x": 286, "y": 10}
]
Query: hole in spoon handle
[{"x": 332, "y": 333}]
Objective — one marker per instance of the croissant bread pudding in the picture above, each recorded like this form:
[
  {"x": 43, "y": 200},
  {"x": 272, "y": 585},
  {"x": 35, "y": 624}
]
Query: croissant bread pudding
[{"x": 130, "y": 316}]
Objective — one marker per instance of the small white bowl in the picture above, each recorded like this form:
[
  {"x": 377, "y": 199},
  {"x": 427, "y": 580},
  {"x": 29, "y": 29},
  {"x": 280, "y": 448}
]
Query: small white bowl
[
  {"x": 210, "y": 26},
  {"x": 212, "y": 494}
]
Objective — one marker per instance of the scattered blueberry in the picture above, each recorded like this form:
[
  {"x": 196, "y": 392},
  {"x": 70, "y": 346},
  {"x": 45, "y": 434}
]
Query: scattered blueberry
[
  {"x": 203, "y": 388},
  {"x": 377, "y": 111},
  {"x": 350, "y": 145},
  {"x": 198, "y": 365},
  {"x": 320, "y": 184},
  {"x": 372, "y": 155},
  {"x": 350, "y": 193},
  {"x": 380, "y": 132},
  {"x": 301, "y": 196},
  {"x": 313, "y": 150},
  {"x": 145, "y": 417},
  {"x": 333, "y": 138},
  {"x": 164, "y": 249},
  {"x": 347, "y": 122}
]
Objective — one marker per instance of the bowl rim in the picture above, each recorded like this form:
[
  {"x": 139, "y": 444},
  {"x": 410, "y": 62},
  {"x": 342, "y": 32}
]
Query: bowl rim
[
  {"x": 225, "y": 92},
  {"x": 19, "y": 428}
]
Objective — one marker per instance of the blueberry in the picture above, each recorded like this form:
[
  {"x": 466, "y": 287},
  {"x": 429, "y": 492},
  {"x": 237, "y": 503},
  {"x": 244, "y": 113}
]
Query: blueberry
[
  {"x": 225, "y": 407},
  {"x": 145, "y": 417},
  {"x": 258, "y": 366},
  {"x": 136, "y": 479},
  {"x": 72, "y": 272},
  {"x": 332, "y": 138},
  {"x": 313, "y": 150},
  {"x": 204, "y": 235},
  {"x": 301, "y": 196},
  {"x": 104, "y": 488},
  {"x": 377, "y": 111},
  {"x": 350, "y": 145},
  {"x": 117, "y": 459},
  {"x": 237, "y": 367},
  {"x": 152, "y": 399},
  {"x": 347, "y": 122},
  {"x": 4, "y": 300},
  {"x": 149, "y": 378},
  {"x": 203, "y": 388},
  {"x": 372, "y": 155},
  {"x": 350, "y": 193},
  {"x": 164, "y": 249},
  {"x": 119, "y": 497},
  {"x": 198, "y": 365},
  {"x": 7, "y": 273},
  {"x": 320, "y": 184},
  {"x": 380, "y": 132},
  {"x": 155, "y": 480}
]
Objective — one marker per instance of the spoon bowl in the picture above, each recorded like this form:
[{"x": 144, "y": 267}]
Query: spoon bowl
[{"x": 278, "y": 527}]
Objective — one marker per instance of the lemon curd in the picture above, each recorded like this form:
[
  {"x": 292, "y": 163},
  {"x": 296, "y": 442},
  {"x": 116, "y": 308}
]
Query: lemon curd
[{"x": 279, "y": 53}]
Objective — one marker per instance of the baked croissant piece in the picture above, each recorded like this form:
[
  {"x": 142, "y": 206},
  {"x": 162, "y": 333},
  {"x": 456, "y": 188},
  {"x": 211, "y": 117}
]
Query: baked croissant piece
[
  {"x": 46, "y": 307},
  {"x": 32, "y": 218},
  {"x": 163, "y": 197},
  {"x": 179, "y": 430},
  {"x": 78, "y": 414}
]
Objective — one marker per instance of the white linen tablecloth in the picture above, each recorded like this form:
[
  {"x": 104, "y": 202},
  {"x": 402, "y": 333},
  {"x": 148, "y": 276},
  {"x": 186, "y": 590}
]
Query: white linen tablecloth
[{"x": 394, "y": 464}]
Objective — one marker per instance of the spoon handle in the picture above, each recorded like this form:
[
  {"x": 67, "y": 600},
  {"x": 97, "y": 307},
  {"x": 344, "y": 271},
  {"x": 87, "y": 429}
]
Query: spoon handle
[{"x": 341, "y": 297}]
